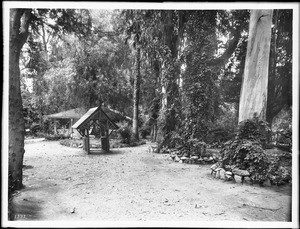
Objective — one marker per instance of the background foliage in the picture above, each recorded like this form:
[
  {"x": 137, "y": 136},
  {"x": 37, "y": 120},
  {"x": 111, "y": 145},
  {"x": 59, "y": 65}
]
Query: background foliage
[{"x": 191, "y": 67}]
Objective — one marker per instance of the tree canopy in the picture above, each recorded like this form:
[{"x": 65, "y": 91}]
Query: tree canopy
[{"x": 197, "y": 54}]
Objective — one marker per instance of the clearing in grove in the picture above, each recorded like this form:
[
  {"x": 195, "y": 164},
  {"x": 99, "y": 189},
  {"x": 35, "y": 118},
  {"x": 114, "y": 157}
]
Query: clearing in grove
[{"x": 134, "y": 184}]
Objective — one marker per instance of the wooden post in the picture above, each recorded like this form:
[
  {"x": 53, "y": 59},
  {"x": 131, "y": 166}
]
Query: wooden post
[
  {"x": 55, "y": 127},
  {"x": 86, "y": 141},
  {"x": 105, "y": 138},
  {"x": 70, "y": 128},
  {"x": 105, "y": 143}
]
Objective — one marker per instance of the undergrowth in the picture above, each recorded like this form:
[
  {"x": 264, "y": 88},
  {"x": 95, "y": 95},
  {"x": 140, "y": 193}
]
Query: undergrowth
[{"x": 247, "y": 152}]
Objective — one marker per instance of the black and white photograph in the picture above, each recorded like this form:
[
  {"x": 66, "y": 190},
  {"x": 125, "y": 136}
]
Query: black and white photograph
[{"x": 166, "y": 114}]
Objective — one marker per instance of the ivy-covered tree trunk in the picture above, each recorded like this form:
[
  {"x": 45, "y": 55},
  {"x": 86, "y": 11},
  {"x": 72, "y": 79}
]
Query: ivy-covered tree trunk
[
  {"x": 280, "y": 65},
  {"x": 253, "y": 100},
  {"x": 19, "y": 22},
  {"x": 170, "y": 75},
  {"x": 136, "y": 95}
]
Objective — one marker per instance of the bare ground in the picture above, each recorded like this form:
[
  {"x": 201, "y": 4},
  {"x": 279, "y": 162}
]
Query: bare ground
[{"x": 133, "y": 184}]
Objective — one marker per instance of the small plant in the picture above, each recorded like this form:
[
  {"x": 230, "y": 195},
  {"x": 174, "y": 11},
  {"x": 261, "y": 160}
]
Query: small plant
[
  {"x": 124, "y": 132},
  {"x": 145, "y": 131}
]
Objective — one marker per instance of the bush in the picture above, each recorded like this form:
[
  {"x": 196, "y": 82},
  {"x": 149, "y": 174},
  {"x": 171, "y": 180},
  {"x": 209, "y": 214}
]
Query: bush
[
  {"x": 216, "y": 137},
  {"x": 280, "y": 166},
  {"x": 124, "y": 132},
  {"x": 254, "y": 130},
  {"x": 71, "y": 142},
  {"x": 52, "y": 137},
  {"x": 145, "y": 131},
  {"x": 223, "y": 128},
  {"x": 280, "y": 176},
  {"x": 246, "y": 150}
]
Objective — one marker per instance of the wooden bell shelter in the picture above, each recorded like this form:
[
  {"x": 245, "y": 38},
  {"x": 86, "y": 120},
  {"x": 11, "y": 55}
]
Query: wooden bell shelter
[{"x": 95, "y": 119}]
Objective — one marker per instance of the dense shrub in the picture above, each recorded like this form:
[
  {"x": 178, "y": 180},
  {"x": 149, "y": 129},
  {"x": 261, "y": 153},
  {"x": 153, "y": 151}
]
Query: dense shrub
[
  {"x": 71, "y": 142},
  {"x": 280, "y": 169},
  {"x": 124, "y": 132},
  {"x": 254, "y": 130},
  {"x": 195, "y": 147},
  {"x": 52, "y": 137},
  {"x": 145, "y": 131},
  {"x": 216, "y": 137},
  {"x": 224, "y": 126},
  {"x": 246, "y": 150}
]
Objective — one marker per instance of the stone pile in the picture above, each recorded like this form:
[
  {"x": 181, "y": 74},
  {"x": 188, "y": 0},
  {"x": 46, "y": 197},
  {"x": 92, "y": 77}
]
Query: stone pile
[
  {"x": 193, "y": 159},
  {"x": 200, "y": 156},
  {"x": 230, "y": 173}
]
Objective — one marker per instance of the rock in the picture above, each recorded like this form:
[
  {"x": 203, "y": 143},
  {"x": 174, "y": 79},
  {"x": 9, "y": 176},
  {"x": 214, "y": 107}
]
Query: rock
[
  {"x": 240, "y": 172},
  {"x": 222, "y": 174},
  {"x": 215, "y": 158},
  {"x": 248, "y": 179},
  {"x": 238, "y": 178},
  {"x": 176, "y": 159},
  {"x": 217, "y": 173},
  {"x": 214, "y": 166},
  {"x": 228, "y": 173},
  {"x": 214, "y": 173},
  {"x": 208, "y": 159},
  {"x": 228, "y": 177},
  {"x": 194, "y": 157},
  {"x": 200, "y": 161},
  {"x": 184, "y": 158}
]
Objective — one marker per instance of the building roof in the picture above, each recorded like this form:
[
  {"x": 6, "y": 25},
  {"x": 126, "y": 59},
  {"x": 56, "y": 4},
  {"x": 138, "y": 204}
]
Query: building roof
[
  {"x": 115, "y": 115},
  {"x": 77, "y": 113},
  {"x": 73, "y": 113},
  {"x": 97, "y": 113},
  {"x": 86, "y": 117}
]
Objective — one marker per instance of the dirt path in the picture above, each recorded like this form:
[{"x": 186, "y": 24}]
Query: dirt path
[{"x": 65, "y": 183}]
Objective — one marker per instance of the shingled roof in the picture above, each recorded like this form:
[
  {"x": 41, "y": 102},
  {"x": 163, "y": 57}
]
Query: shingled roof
[
  {"x": 95, "y": 113},
  {"x": 73, "y": 113},
  {"x": 77, "y": 113}
]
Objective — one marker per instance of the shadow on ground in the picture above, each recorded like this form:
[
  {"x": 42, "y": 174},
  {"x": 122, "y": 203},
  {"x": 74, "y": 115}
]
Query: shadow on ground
[
  {"x": 29, "y": 203},
  {"x": 101, "y": 152},
  {"x": 26, "y": 209}
]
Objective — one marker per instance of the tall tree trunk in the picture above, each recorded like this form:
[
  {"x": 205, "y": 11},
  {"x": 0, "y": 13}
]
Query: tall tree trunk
[
  {"x": 170, "y": 75},
  {"x": 253, "y": 100},
  {"x": 136, "y": 95},
  {"x": 273, "y": 106},
  {"x": 19, "y": 21}
]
